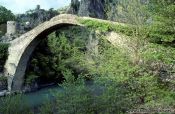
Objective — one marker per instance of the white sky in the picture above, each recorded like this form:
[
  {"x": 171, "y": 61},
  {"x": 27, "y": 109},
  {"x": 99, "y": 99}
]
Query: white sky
[{"x": 20, "y": 6}]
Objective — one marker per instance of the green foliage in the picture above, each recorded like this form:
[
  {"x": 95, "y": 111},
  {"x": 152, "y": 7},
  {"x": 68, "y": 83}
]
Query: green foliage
[
  {"x": 160, "y": 60},
  {"x": 162, "y": 29},
  {"x": 31, "y": 78},
  {"x": 97, "y": 25},
  {"x": 155, "y": 52},
  {"x": 2, "y": 78},
  {"x": 3, "y": 54},
  {"x": 6, "y": 15},
  {"x": 3, "y": 82},
  {"x": 61, "y": 51},
  {"x": 136, "y": 15},
  {"x": 107, "y": 27},
  {"x": 3, "y": 29},
  {"x": 66, "y": 53},
  {"x": 110, "y": 9},
  {"x": 117, "y": 84},
  {"x": 3, "y": 50},
  {"x": 47, "y": 108},
  {"x": 69, "y": 101},
  {"x": 134, "y": 12},
  {"x": 1, "y": 34},
  {"x": 14, "y": 105}
]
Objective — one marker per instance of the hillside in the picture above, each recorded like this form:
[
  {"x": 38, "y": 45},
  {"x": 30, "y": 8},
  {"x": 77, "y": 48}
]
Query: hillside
[{"x": 103, "y": 67}]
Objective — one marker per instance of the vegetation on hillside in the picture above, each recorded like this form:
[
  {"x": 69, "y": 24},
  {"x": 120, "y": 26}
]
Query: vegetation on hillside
[
  {"x": 5, "y": 15},
  {"x": 163, "y": 16},
  {"x": 97, "y": 77}
]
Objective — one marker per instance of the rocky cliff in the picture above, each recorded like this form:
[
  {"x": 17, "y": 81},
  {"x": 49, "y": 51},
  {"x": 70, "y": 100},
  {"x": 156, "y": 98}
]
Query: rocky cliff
[
  {"x": 103, "y": 9},
  {"x": 90, "y": 8}
]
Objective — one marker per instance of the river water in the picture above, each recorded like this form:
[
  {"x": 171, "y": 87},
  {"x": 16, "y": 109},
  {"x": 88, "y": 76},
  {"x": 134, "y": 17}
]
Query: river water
[
  {"x": 37, "y": 98},
  {"x": 33, "y": 100}
]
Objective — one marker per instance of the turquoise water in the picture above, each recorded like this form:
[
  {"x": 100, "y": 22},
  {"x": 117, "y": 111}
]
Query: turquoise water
[
  {"x": 33, "y": 99},
  {"x": 37, "y": 98},
  {"x": 41, "y": 96}
]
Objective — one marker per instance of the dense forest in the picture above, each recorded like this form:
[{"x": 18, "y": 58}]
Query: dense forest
[{"x": 98, "y": 77}]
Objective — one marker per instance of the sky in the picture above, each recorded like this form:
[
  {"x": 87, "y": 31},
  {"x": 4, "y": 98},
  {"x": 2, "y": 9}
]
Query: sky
[{"x": 20, "y": 6}]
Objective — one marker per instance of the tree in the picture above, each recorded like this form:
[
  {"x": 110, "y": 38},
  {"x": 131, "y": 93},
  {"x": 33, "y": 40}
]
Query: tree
[
  {"x": 110, "y": 9},
  {"x": 163, "y": 29},
  {"x": 136, "y": 15},
  {"x": 3, "y": 55},
  {"x": 5, "y": 15}
]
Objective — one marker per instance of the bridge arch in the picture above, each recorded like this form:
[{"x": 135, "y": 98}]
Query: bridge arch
[{"x": 22, "y": 48}]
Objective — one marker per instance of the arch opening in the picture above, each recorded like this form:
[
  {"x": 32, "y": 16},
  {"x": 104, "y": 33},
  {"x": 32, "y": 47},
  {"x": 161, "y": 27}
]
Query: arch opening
[{"x": 18, "y": 80}]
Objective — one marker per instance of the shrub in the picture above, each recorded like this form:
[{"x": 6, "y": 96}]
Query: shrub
[
  {"x": 3, "y": 54},
  {"x": 14, "y": 105}
]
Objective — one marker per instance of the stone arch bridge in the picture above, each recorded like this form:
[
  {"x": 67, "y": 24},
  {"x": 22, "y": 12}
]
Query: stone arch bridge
[{"x": 21, "y": 48}]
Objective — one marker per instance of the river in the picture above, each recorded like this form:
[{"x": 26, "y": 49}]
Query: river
[
  {"x": 33, "y": 99},
  {"x": 39, "y": 97}
]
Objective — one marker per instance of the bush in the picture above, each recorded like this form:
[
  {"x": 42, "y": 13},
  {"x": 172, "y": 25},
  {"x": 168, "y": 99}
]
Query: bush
[
  {"x": 117, "y": 84},
  {"x": 14, "y": 105},
  {"x": 3, "y": 54},
  {"x": 107, "y": 26}
]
